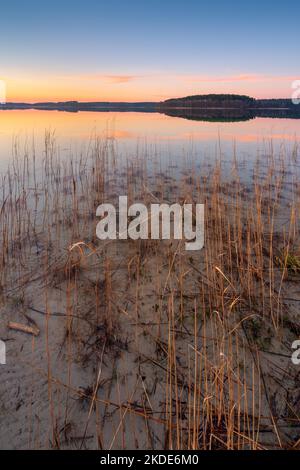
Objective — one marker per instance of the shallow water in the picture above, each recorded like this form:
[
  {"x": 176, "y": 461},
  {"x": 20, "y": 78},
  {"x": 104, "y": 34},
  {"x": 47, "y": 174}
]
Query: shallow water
[
  {"x": 174, "y": 136},
  {"x": 42, "y": 220}
]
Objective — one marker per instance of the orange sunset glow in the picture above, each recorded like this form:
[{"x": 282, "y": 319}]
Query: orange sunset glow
[{"x": 153, "y": 87}]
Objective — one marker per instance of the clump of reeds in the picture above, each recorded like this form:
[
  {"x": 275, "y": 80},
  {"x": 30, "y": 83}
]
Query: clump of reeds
[{"x": 176, "y": 343}]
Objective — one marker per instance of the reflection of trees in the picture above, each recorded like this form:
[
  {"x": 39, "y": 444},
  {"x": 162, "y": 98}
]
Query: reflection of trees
[{"x": 229, "y": 115}]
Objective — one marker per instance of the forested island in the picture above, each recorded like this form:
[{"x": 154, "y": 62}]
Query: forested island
[{"x": 227, "y": 101}]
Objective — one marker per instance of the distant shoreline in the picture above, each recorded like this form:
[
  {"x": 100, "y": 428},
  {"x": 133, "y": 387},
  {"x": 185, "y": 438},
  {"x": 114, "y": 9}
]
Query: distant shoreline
[
  {"x": 199, "y": 102},
  {"x": 75, "y": 106},
  {"x": 196, "y": 107}
]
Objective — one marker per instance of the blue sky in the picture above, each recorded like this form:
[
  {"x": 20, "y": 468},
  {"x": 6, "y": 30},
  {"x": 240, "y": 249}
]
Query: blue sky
[{"x": 151, "y": 42}]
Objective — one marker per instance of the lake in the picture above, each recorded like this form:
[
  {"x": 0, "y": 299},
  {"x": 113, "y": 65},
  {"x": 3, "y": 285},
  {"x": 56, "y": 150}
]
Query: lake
[
  {"x": 173, "y": 136},
  {"x": 207, "y": 330}
]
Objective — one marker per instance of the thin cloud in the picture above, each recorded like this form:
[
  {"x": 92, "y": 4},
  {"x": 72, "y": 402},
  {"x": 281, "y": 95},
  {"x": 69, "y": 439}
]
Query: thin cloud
[
  {"x": 235, "y": 78},
  {"x": 232, "y": 78},
  {"x": 120, "y": 78},
  {"x": 109, "y": 79}
]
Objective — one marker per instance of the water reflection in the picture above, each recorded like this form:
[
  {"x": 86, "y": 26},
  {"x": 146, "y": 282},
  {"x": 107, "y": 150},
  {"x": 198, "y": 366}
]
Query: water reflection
[
  {"x": 175, "y": 132},
  {"x": 231, "y": 115}
]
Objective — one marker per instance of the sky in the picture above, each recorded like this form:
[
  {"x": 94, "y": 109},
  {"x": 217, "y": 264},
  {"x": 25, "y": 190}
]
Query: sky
[{"x": 128, "y": 50}]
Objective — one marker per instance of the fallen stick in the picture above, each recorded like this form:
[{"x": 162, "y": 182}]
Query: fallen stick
[{"x": 32, "y": 330}]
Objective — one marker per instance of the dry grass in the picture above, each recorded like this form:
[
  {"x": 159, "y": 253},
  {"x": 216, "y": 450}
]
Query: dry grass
[{"x": 181, "y": 350}]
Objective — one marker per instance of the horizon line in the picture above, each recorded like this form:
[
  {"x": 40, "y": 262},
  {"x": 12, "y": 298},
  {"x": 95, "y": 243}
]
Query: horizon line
[{"x": 135, "y": 101}]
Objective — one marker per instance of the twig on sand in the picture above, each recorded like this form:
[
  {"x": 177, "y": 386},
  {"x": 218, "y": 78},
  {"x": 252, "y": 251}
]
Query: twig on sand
[{"x": 32, "y": 330}]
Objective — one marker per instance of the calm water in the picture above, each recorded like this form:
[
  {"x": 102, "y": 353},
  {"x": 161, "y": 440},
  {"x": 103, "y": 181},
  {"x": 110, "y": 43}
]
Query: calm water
[{"x": 171, "y": 135}]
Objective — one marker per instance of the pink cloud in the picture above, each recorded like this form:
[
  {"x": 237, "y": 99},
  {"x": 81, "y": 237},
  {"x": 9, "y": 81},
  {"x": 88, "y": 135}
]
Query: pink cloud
[
  {"x": 119, "y": 78},
  {"x": 110, "y": 79},
  {"x": 236, "y": 78}
]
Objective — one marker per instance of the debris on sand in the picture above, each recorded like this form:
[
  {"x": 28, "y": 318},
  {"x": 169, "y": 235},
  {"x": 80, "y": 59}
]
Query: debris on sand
[{"x": 32, "y": 330}]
